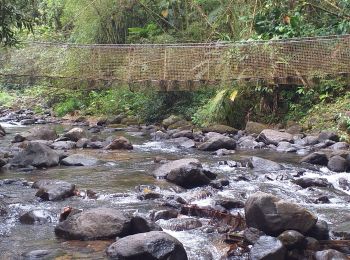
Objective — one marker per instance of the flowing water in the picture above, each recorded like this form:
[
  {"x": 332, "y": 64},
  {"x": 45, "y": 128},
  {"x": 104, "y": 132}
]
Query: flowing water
[{"x": 115, "y": 182}]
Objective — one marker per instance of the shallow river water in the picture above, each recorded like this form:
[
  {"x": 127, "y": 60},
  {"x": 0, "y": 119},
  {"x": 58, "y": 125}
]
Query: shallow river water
[{"x": 115, "y": 182}]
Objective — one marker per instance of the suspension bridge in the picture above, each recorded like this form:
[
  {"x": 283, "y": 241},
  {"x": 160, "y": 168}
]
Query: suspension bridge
[{"x": 179, "y": 65}]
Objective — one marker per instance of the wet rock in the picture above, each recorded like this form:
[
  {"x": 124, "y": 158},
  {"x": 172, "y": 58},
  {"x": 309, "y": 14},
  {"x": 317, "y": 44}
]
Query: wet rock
[
  {"x": 229, "y": 203},
  {"x": 166, "y": 214},
  {"x": 63, "y": 145},
  {"x": 320, "y": 231},
  {"x": 337, "y": 164},
  {"x": 141, "y": 225},
  {"x": 187, "y": 173},
  {"x": 36, "y": 133},
  {"x": 269, "y": 136},
  {"x": 53, "y": 190},
  {"x": 36, "y": 254},
  {"x": 292, "y": 239},
  {"x": 248, "y": 142},
  {"x": 221, "y": 129},
  {"x": 342, "y": 230},
  {"x": 181, "y": 224},
  {"x": 2, "y": 131},
  {"x": 95, "y": 145},
  {"x": 75, "y": 134},
  {"x": 223, "y": 152},
  {"x": 38, "y": 216},
  {"x": 218, "y": 142},
  {"x": 344, "y": 184},
  {"x": 94, "y": 224},
  {"x": 252, "y": 235},
  {"x": 312, "y": 244},
  {"x": 322, "y": 200},
  {"x": 330, "y": 254},
  {"x": 80, "y": 160},
  {"x": 306, "y": 182},
  {"x": 119, "y": 143},
  {"x": 149, "y": 195},
  {"x": 285, "y": 147},
  {"x": 37, "y": 155},
  {"x": 184, "y": 142},
  {"x": 317, "y": 158},
  {"x": 82, "y": 143},
  {"x": 258, "y": 163},
  {"x": 254, "y": 127},
  {"x": 268, "y": 248},
  {"x": 27, "y": 121},
  {"x": 273, "y": 215},
  {"x": 155, "y": 245}
]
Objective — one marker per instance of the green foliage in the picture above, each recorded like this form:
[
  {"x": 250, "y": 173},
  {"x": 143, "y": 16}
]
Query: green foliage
[{"x": 6, "y": 99}]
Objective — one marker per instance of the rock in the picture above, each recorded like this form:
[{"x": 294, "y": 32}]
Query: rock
[
  {"x": 344, "y": 184},
  {"x": 273, "y": 215},
  {"x": 294, "y": 129},
  {"x": 63, "y": 145},
  {"x": 340, "y": 146},
  {"x": 187, "y": 173},
  {"x": 36, "y": 254},
  {"x": 140, "y": 225},
  {"x": 184, "y": 142},
  {"x": 120, "y": 143},
  {"x": 252, "y": 235},
  {"x": 292, "y": 239},
  {"x": 330, "y": 254},
  {"x": 285, "y": 147},
  {"x": 342, "y": 230},
  {"x": 327, "y": 135},
  {"x": 3, "y": 208},
  {"x": 312, "y": 244},
  {"x": 221, "y": 129},
  {"x": 36, "y": 217},
  {"x": 254, "y": 127},
  {"x": 82, "y": 143},
  {"x": 184, "y": 133},
  {"x": 337, "y": 164},
  {"x": 75, "y": 134},
  {"x": 230, "y": 204},
  {"x": 166, "y": 214},
  {"x": 181, "y": 224},
  {"x": 155, "y": 245},
  {"x": 2, "y": 131},
  {"x": 320, "y": 231},
  {"x": 36, "y": 133},
  {"x": 218, "y": 142},
  {"x": 37, "y": 155},
  {"x": 317, "y": 158},
  {"x": 248, "y": 142},
  {"x": 268, "y": 248},
  {"x": 306, "y": 182},
  {"x": 27, "y": 122},
  {"x": 79, "y": 160},
  {"x": 53, "y": 190},
  {"x": 258, "y": 163},
  {"x": 130, "y": 120},
  {"x": 94, "y": 224},
  {"x": 223, "y": 152},
  {"x": 149, "y": 195},
  {"x": 269, "y": 136},
  {"x": 171, "y": 120}
]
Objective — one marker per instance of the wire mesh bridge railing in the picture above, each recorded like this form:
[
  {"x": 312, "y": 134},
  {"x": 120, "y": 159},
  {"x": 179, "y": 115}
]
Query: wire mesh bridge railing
[{"x": 277, "y": 61}]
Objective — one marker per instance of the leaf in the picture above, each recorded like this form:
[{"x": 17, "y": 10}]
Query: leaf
[
  {"x": 233, "y": 95},
  {"x": 165, "y": 13}
]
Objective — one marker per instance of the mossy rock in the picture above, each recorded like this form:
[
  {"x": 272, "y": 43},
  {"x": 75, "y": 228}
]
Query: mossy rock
[
  {"x": 181, "y": 125},
  {"x": 171, "y": 120},
  {"x": 222, "y": 129},
  {"x": 130, "y": 121},
  {"x": 255, "y": 128}
]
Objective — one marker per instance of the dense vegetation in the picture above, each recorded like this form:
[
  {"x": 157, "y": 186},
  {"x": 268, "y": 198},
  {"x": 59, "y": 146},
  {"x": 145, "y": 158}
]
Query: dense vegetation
[{"x": 171, "y": 21}]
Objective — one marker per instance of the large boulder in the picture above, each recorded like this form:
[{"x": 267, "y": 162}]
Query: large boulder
[
  {"x": 218, "y": 142},
  {"x": 119, "y": 143},
  {"x": 337, "y": 164},
  {"x": 187, "y": 173},
  {"x": 79, "y": 160},
  {"x": 53, "y": 190},
  {"x": 328, "y": 135},
  {"x": 75, "y": 134},
  {"x": 221, "y": 129},
  {"x": 268, "y": 248},
  {"x": 155, "y": 245},
  {"x": 318, "y": 158},
  {"x": 37, "y": 155},
  {"x": 254, "y": 127},
  {"x": 37, "y": 133},
  {"x": 272, "y": 215},
  {"x": 94, "y": 224},
  {"x": 171, "y": 120},
  {"x": 269, "y": 136}
]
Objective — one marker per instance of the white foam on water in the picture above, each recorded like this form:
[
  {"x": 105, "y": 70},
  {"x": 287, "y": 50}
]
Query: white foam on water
[{"x": 157, "y": 146}]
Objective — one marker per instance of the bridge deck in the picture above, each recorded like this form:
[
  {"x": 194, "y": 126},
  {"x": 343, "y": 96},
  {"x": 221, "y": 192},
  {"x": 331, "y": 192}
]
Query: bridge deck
[{"x": 281, "y": 60}]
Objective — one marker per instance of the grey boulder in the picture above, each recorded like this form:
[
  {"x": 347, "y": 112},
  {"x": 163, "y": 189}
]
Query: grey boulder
[
  {"x": 268, "y": 248},
  {"x": 52, "y": 190}
]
